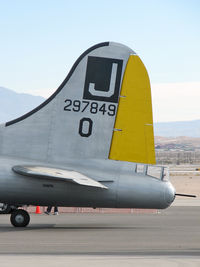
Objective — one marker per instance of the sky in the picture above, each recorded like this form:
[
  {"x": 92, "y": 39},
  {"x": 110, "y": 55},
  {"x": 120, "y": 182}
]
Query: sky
[{"x": 40, "y": 41}]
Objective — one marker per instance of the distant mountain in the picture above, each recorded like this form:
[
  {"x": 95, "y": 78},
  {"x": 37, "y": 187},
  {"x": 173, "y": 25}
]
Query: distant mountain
[
  {"x": 13, "y": 105},
  {"x": 179, "y": 128},
  {"x": 180, "y": 143}
]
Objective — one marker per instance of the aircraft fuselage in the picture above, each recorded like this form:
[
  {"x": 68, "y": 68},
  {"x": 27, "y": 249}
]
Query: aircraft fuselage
[{"x": 126, "y": 188}]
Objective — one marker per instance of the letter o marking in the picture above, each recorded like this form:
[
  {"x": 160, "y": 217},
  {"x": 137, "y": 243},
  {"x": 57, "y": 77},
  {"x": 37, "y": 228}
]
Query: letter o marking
[{"x": 85, "y": 127}]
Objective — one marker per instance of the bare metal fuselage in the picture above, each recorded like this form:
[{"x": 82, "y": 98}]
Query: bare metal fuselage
[{"x": 126, "y": 188}]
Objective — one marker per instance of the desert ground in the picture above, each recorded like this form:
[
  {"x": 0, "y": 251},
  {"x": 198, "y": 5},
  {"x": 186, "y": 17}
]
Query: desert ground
[{"x": 186, "y": 179}]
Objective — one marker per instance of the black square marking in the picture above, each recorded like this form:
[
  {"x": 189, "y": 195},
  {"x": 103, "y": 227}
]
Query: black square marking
[{"x": 102, "y": 81}]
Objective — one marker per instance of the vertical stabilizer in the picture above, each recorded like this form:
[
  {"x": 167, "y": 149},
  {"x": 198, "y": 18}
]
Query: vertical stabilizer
[{"x": 101, "y": 110}]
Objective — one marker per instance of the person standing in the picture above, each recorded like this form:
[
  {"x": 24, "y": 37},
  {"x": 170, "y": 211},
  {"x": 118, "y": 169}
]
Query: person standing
[{"x": 48, "y": 211}]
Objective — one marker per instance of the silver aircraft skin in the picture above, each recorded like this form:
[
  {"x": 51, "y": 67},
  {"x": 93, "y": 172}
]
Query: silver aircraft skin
[
  {"x": 126, "y": 187},
  {"x": 58, "y": 154}
]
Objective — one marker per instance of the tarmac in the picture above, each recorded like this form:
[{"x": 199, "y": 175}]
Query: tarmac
[{"x": 168, "y": 237}]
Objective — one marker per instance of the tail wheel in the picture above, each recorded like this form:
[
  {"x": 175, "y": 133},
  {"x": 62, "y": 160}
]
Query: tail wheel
[
  {"x": 20, "y": 218},
  {"x": 4, "y": 208}
]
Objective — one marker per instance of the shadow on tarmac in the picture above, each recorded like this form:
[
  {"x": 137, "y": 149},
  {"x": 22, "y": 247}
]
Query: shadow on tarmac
[{"x": 57, "y": 227}]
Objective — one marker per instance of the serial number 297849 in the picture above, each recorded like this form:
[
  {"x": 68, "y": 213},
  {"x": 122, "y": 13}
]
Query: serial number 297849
[{"x": 92, "y": 107}]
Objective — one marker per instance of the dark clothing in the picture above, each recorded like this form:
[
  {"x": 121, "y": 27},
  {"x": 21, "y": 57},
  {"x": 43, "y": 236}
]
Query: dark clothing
[{"x": 50, "y": 207}]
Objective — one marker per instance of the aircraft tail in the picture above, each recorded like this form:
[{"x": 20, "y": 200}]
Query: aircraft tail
[{"x": 101, "y": 110}]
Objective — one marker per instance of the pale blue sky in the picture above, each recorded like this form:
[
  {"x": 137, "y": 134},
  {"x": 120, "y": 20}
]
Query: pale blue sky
[{"x": 41, "y": 39}]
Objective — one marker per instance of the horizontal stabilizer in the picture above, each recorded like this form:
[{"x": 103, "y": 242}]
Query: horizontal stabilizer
[{"x": 57, "y": 174}]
